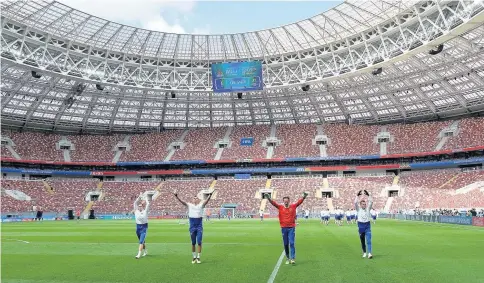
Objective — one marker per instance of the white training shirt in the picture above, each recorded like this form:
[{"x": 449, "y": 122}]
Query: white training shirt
[
  {"x": 141, "y": 217},
  {"x": 364, "y": 214},
  {"x": 348, "y": 213},
  {"x": 373, "y": 212},
  {"x": 307, "y": 212},
  {"x": 195, "y": 211}
]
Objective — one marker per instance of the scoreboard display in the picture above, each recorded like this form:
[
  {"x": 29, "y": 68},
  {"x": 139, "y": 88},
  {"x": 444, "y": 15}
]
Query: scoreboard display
[{"x": 237, "y": 77}]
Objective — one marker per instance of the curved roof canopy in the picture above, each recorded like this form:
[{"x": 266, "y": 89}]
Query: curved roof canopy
[
  {"x": 136, "y": 80},
  {"x": 64, "y": 22}
]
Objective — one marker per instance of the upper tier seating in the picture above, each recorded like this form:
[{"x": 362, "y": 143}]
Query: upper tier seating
[
  {"x": 259, "y": 133},
  {"x": 37, "y": 146},
  {"x": 150, "y": 147},
  {"x": 351, "y": 139},
  {"x": 199, "y": 144},
  {"x": 6, "y": 153},
  {"x": 471, "y": 134},
  {"x": 296, "y": 141},
  {"x": 89, "y": 147},
  {"x": 418, "y": 137}
]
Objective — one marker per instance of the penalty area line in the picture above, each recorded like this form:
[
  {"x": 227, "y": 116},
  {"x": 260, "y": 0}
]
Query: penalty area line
[{"x": 276, "y": 268}]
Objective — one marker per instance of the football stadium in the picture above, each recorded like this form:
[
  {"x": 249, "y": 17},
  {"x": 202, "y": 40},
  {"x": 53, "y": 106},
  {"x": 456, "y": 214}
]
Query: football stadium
[{"x": 137, "y": 155}]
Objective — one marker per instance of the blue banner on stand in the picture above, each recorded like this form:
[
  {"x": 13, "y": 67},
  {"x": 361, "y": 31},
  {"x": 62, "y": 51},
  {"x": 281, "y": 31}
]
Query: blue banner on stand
[
  {"x": 242, "y": 176},
  {"x": 246, "y": 141}
]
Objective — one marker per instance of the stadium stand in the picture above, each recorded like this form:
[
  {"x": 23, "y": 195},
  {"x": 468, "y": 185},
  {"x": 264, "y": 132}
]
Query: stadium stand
[
  {"x": 37, "y": 146},
  {"x": 85, "y": 151},
  {"x": 187, "y": 191},
  {"x": 67, "y": 194},
  {"x": 294, "y": 187},
  {"x": 6, "y": 153},
  {"x": 347, "y": 187},
  {"x": 10, "y": 204},
  {"x": 351, "y": 139},
  {"x": 296, "y": 141},
  {"x": 200, "y": 144},
  {"x": 436, "y": 189},
  {"x": 440, "y": 189},
  {"x": 118, "y": 197},
  {"x": 236, "y": 151},
  {"x": 471, "y": 134},
  {"x": 239, "y": 192},
  {"x": 418, "y": 137},
  {"x": 150, "y": 147}
]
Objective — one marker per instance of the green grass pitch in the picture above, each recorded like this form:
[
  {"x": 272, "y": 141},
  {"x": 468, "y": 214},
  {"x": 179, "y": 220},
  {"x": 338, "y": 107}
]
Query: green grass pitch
[{"x": 239, "y": 251}]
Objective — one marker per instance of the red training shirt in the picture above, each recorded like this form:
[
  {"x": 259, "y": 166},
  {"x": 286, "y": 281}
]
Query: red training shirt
[{"x": 287, "y": 215}]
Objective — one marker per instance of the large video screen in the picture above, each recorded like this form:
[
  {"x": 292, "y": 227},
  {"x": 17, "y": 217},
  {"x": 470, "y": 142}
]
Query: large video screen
[{"x": 239, "y": 77}]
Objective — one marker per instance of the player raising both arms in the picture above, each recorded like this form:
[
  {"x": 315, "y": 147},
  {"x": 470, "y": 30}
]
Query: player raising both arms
[
  {"x": 364, "y": 226},
  {"x": 195, "y": 213},
  {"x": 141, "y": 218},
  {"x": 287, "y": 220}
]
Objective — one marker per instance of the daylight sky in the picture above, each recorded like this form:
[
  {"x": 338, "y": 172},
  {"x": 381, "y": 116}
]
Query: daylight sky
[{"x": 202, "y": 17}]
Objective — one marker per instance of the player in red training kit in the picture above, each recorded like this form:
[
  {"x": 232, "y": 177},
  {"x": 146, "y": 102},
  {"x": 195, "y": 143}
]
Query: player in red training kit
[{"x": 287, "y": 219}]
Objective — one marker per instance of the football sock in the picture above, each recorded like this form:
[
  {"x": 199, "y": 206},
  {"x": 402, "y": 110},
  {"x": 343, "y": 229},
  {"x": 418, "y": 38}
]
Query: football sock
[{"x": 194, "y": 254}]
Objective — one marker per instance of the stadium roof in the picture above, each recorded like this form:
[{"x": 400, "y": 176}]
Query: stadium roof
[{"x": 146, "y": 79}]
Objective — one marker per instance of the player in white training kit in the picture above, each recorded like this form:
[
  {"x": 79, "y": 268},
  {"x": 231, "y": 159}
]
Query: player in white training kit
[
  {"x": 373, "y": 216},
  {"x": 141, "y": 218},
  {"x": 353, "y": 216},
  {"x": 364, "y": 227},
  {"x": 348, "y": 216},
  {"x": 195, "y": 214},
  {"x": 325, "y": 216},
  {"x": 306, "y": 214},
  {"x": 338, "y": 214}
]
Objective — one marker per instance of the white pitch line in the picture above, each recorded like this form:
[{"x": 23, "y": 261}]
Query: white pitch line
[
  {"x": 276, "y": 268},
  {"x": 19, "y": 241}
]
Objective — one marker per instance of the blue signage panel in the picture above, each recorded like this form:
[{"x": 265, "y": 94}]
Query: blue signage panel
[
  {"x": 246, "y": 141},
  {"x": 239, "y": 76},
  {"x": 242, "y": 176}
]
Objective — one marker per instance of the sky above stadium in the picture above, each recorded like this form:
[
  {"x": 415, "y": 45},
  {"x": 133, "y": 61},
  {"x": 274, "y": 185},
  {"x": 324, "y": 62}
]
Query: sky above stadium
[{"x": 202, "y": 17}]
